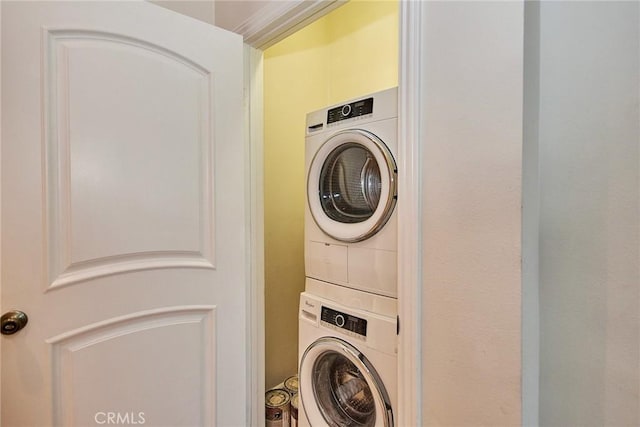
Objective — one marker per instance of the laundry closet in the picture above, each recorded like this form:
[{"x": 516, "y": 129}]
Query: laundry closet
[{"x": 349, "y": 53}]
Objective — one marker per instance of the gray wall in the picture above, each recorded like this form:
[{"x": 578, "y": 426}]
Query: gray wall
[
  {"x": 471, "y": 214},
  {"x": 204, "y": 10},
  {"x": 589, "y": 214}
]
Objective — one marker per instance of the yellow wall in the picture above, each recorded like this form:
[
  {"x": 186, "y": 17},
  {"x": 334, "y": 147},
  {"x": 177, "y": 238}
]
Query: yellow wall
[{"x": 351, "y": 52}]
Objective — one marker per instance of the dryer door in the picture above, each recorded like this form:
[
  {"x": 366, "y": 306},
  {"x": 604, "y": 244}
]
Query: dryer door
[
  {"x": 339, "y": 387},
  {"x": 351, "y": 187}
]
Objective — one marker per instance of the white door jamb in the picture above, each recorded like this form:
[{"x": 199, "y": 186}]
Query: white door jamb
[{"x": 410, "y": 131}]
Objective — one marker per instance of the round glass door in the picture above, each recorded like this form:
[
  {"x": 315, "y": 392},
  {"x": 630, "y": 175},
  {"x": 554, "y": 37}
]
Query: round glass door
[
  {"x": 342, "y": 394},
  {"x": 352, "y": 185},
  {"x": 340, "y": 388}
]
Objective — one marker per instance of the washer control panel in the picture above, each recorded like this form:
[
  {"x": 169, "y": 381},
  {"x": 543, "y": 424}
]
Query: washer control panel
[
  {"x": 349, "y": 324},
  {"x": 359, "y": 108}
]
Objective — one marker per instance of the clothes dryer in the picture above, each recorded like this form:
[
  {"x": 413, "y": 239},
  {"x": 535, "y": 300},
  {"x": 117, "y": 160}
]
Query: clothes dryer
[
  {"x": 347, "y": 361},
  {"x": 350, "y": 217}
]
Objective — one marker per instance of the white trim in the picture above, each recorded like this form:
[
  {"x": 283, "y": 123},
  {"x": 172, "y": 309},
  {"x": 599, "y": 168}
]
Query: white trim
[
  {"x": 530, "y": 341},
  {"x": 1, "y": 301},
  {"x": 410, "y": 100},
  {"x": 279, "y": 19},
  {"x": 254, "y": 163}
]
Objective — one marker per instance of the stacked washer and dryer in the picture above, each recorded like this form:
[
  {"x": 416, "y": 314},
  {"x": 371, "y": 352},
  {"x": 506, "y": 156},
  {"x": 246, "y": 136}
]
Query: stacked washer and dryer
[{"x": 348, "y": 312}]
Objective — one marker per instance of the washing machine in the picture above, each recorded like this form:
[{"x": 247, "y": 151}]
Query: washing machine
[
  {"x": 348, "y": 359},
  {"x": 350, "y": 217}
]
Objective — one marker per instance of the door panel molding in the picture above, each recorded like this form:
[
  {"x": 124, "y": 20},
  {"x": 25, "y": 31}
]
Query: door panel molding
[
  {"x": 76, "y": 350},
  {"x": 62, "y": 46},
  {"x": 75, "y": 273}
]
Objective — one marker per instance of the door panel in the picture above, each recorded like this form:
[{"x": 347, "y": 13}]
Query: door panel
[
  {"x": 80, "y": 390},
  {"x": 168, "y": 219},
  {"x": 123, "y": 217}
]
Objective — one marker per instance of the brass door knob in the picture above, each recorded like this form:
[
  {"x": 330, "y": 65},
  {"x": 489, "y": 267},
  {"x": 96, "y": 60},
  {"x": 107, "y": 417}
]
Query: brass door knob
[{"x": 12, "y": 321}]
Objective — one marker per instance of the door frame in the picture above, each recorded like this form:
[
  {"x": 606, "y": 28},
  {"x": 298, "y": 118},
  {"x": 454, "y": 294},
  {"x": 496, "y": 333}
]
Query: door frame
[
  {"x": 0, "y": 203},
  {"x": 253, "y": 131},
  {"x": 412, "y": 57}
]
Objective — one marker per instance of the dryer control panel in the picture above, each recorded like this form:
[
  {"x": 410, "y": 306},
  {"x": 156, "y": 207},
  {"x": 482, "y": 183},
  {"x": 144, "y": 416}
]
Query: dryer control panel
[
  {"x": 352, "y": 325},
  {"x": 359, "y": 108}
]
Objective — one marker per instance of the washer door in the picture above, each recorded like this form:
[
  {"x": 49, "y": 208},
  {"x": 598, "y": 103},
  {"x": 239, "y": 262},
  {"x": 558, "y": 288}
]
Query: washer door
[
  {"x": 351, "y": 187},
  {"x": 339, "y": 387}
]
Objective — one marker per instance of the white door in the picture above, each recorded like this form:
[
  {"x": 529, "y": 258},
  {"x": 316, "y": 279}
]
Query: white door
[{"x": 123, "y": 217}]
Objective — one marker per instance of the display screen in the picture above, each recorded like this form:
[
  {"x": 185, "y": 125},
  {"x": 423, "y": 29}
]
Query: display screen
[
  {"x": 349, "y": 111},
  {"x": 344, "y": 321}
]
